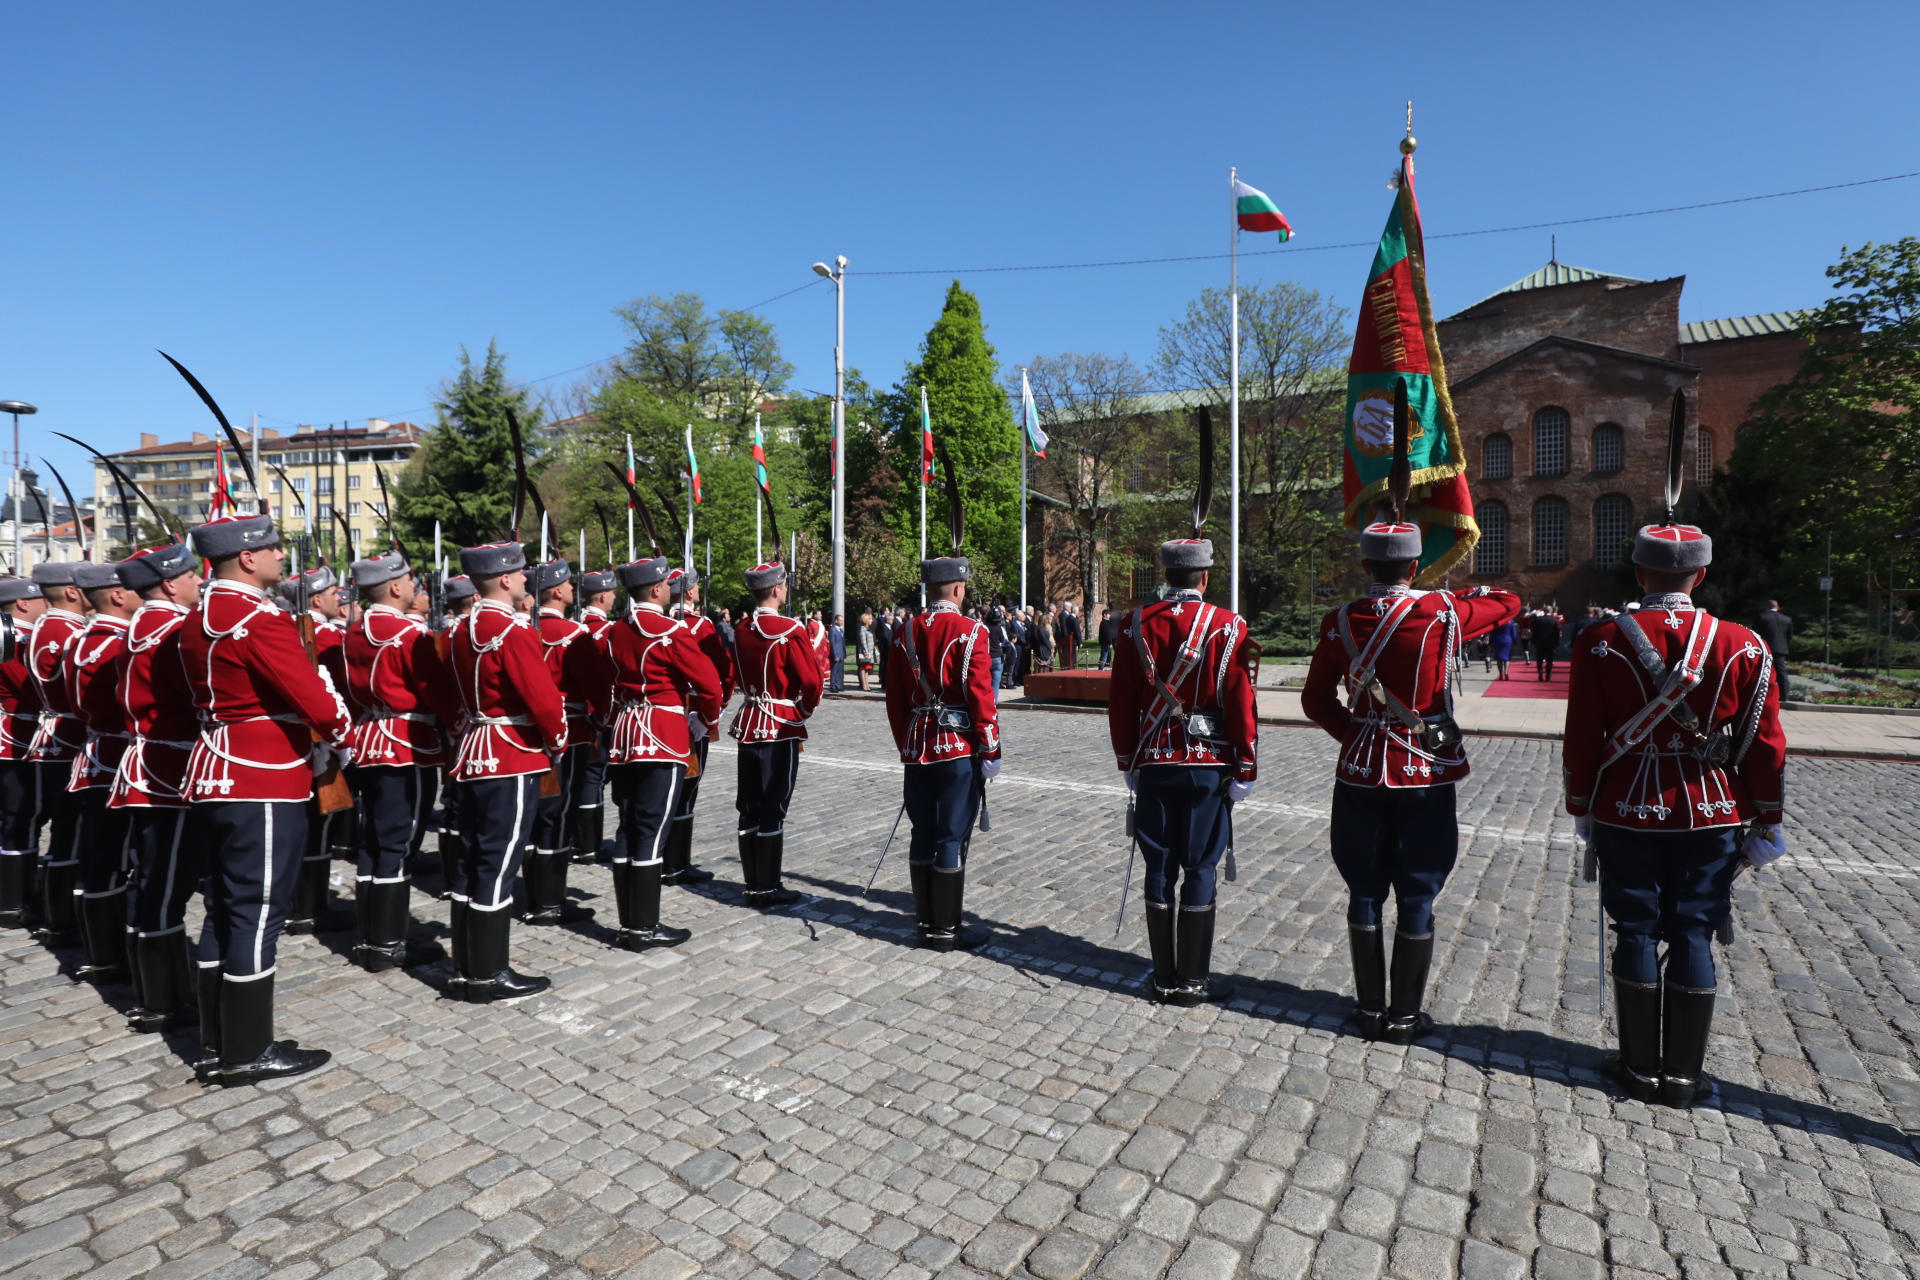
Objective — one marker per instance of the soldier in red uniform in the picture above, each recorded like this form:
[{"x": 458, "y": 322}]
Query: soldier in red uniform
[
  {"x": 585, "y": 678},
  {"x": 666, "y": 698},
  {"x": 268, "y": 724},
  {"x": 781, "y": 682},
  {"x": 401, "y": 696},
  {"x": 59, "y": 740},
  {"x": 516, "y": 727},
  {"x": 22, "y": 603},
  {"x": 103, "y": 831},
  {"x": 1184, "y": 730},
  {"x": 311, "y": 896},
  {"x": 149, "y": 787},
  {"x": 589, "y": 820},
  {"x": 1401, "y": 753},
  {"x": 946, "y": 724},
  {"x": 457, "y": 594},
  {"x": 1673, "y": 741},
  {"x": 683, "y": 586}
]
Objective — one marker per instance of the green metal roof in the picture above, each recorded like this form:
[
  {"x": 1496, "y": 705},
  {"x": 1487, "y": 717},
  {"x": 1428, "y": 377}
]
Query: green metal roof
[
  {"x": 1554, "y": 273},
  {"x": 1771, "y": 322}
]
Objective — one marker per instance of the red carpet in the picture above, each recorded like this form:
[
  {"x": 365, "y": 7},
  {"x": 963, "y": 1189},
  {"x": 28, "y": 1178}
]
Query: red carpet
[{"x": 1522, "y": 683}]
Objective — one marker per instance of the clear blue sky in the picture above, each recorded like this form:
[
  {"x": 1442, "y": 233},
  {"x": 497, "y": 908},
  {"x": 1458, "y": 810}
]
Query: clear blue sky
[{"x": 414, "y": 177}]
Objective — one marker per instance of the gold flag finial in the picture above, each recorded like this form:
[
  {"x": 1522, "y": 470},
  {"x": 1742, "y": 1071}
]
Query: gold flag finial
[{"x": 1408, "y": 143}]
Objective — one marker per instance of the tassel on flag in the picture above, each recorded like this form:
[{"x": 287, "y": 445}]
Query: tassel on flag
[
  {"x": 1030, "y": 414},
  {"x": 693, "y": 465},
  {"x": 1257, "y": 211},
  {"x": 760, "y": 456},
  {"x": 926, "y": 440}
]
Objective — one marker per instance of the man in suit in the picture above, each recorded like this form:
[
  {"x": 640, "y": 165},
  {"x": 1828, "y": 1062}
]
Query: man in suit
[
  {"x": 1069, "y": 638},
  {"x": 1776, "y": 628},
  {"x": 883, "y": 640},
  {"x": 837, "y": 654},
  {"x": 1546, "y": 640}
]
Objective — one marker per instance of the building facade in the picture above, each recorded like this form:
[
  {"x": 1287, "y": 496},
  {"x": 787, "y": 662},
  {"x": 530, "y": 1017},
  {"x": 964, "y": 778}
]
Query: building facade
[{"x": 1563, "y": 383}]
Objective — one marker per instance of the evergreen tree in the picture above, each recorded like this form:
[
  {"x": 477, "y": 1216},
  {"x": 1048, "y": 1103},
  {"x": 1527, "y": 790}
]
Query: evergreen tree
[{"x": 463, "y": 474}]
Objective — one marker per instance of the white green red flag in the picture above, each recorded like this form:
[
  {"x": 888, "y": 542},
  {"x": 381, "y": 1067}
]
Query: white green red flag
[
  {"x": 926, "y": 440},
  {"x": 630, "y": 476},
  {"x": 1030, "y": 416},
  {"x": 760, "y": 456},
  {"x": 1396, "y": 340},
  {"x": 222, "y": 487},
  {"x": 1257, "y": 212},
  {"x": 693, "y": 465}
]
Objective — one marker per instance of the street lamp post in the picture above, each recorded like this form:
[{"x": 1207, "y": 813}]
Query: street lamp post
[
  {"x": 838, "y": 274},
  {"x": 16, "y": 408}
]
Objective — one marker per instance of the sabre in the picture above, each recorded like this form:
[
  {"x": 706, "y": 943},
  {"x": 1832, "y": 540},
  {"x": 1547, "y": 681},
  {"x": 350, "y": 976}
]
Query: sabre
[
  {"x": 1126, "y": 879},
  {"x": 883, "y": 849}
]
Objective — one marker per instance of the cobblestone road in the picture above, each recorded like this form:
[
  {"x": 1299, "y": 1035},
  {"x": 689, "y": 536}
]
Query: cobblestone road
[{"x": 804, "y": 1095}]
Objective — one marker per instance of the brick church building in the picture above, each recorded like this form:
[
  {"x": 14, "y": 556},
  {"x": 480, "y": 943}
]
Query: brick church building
[{"x": 1563, "y": 384}]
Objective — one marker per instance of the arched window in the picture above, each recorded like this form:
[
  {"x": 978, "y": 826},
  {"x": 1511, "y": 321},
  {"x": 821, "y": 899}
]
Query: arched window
[
  {"x": 1609, "y": 448},
  {"x": 1498, "y": 460},
  {"x": 1550, "y": 531},
  {"x": 1550, "y": 442},
  {"x": 1490, "y": 556},
  {"x": 1703, "y": 459},
  {"x": 1612, "y": 518}
]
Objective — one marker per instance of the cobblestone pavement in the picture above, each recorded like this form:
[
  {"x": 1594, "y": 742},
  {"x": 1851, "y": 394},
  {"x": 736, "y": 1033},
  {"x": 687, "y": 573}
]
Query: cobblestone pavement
[{"x": 801, "y": 1094}]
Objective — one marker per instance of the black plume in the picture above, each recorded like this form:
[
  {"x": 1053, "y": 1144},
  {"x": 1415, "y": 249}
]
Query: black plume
[
  {"x": 233, "y": 437},
  {"x": 1400, "y": 474},
  {"x": 1203, "y": 486},
  {"x": 639, "y": 504},
  {"x": 1676, "y": 445},
  {"x": 956, "y": 515}
]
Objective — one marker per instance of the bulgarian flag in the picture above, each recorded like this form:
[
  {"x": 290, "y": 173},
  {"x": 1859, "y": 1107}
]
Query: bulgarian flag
[
  {"x": 630, "y": 476},
  {"x": 926, "y": 439},
  {"x": 1030, "y": 415},
  {"x": 1257, "y": 211},
  {"x": 222, "y": 487},
  {"x": 693, "y": 464},
  {"x": 1396, "y": 340},
  {"x": 760, "y": 456}
]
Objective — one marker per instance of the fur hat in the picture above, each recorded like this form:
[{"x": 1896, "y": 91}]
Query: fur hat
[
  {"x": 761, "y": 577},
  {"x": 144, "y": 570},
  {"x": 1187, "y": 553},
  {"x": 230, "y": 535},
  {"x": 490, "y": 560},
  {"x": 1390, "y": 542},
  {"x": 678, "y": 580},
  {"x": 317, "y": 579},
  {"x": 456, "y": 589},
  {"x": 1672, "y": 548},
  {"x": 54, "y": 573},
  {"x": 12, "y": 589},
  {"x": 375, "y": 570},
  {"x": 545, "y": 577},
  {"x": 944, "y": 569},
  {"x": 597, "y": 581},
  {"x": 642, "y": 573},
  {"x": 92, "y": 577}
]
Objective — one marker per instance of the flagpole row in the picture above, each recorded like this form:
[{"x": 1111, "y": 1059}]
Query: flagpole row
[{"x": 1233, "y": 413}]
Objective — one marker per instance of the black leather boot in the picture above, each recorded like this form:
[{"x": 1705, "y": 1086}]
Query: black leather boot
[
  {"x": 622, "y": 895},
  {"x": 1686, "y": 1022},
  {"x": 1193, "y": 959},
  {"x": 165, "y": 982},
  {"x": 383, "y": 940},
  {"x": 457, "y": 943},
  {"x": 1165, "y": 979},
  {"x": 490, "y": 979},
  {"x": 679, "y": 855},
  {"x": 1368, "y": 947},
  {"x": 769, "y": 852},
  {"x": 589, "y": 833},
  {"x": 646, "y": 933},
  {"x": 59, "y": 921},
  {"x": 449, "y": 842},
  {"x": 546, "y": 873},
  {"x": 920, "y": 875},
  {"x": 248, "y": 1052},
  {"x": 1406, "y": 1020},
  {"x": 206, "y": 978},
  {"x": 1636, "y": 1068},
  {"x": 750, "y": 862},
  {"x": 946, "y": 893},
  {"x": 103, "y": 930},
  {"x": 310, "y": 897},
  {"x": 13, "y": 890}
]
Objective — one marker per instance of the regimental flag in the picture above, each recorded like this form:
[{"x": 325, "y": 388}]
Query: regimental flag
[
  {"x": 631, "y": 487},
  {"x": 1396, "y": 339},
  {"x": 1257, "y": 211},
  {"x": 1030, "y": 415},
  {"x": 693, "y": 465},
  {"x": 222, "y": 487},
  {"x": 760, "y": 456},
  {"x": 926, "y": 440}
]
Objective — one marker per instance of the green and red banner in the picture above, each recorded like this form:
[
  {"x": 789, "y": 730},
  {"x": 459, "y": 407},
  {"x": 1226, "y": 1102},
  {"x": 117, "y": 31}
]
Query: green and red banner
[{"x": 1396, "y": 340}]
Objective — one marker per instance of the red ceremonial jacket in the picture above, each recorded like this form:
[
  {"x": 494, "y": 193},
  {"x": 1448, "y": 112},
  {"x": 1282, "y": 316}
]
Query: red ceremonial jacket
[
  {"x": 778, "y": 675},
  {"x": 62, "y": 734},
  {"x": 1415, "y": 665},
  {"x": 1660, "y": 784},
  {"x": 515, "y": 719},
  {"x": 596, "y": 622},
  {"x": 399, "y": 691},
  {"x": 19, "y": 698},
  {"x": 259, "y": 699},
  {"x": 580, "y": 668},
  {"x": 817, "y": 637},
  {"x": 91, "y": 672},
  {"x": 1200, "y": 644},
  {"x": 714, "y": 645},
  {"x": 151, "y": 679},
  {"x": 660, "y": 674},
  {"x": 957, "y": 672}
]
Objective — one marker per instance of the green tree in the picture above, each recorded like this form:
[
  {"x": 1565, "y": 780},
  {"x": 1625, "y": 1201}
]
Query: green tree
[
  {"x": 972, "y": 420},
  {"x": 463, "y": 474},
  {"x": 722, "y": 364}
]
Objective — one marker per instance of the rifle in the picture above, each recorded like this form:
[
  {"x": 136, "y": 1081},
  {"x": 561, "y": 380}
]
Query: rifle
[{"x": 330, "y": 785}]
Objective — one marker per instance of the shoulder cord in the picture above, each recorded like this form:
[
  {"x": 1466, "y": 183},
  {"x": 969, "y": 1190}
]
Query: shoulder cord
[
  {"x": 1360, "y": 665},
  {"x": 1679, "y": 681},
  {"x": 1186, "y": 659}
]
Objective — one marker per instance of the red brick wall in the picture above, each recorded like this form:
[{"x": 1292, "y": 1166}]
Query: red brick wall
[
  {"x": 1733, "y": 374},
  {"x": 1633, "y": 317}
]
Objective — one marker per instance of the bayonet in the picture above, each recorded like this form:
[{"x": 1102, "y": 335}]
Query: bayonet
[{"x": 1676, "y": 447}]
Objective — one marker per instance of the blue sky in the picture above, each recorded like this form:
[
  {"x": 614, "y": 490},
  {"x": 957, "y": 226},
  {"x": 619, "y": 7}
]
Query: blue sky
[{"x": 400, "y": 179}]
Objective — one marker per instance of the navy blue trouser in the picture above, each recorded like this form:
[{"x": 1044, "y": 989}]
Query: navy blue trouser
[
  {"x": 168, "y": 866},
  {"x": 19, "y": 806},
  {"x": 60, "y": 809},
  {"x": 255, "y": 849},
  {"x": 1666, "y": 886},
  {"x": 393, "y": 807},
  {"x": 497, "y": 817},
  {"x": 104, "y": 855},
  {"x": 1398, "y": 840},
  {"x": 550, "y": 834},
  {"x": 941, "y": 801},
  {"x": 590, "y": 778},
  {"x": 767, "y": 771},
  {"x": 649, "y": 791},
  {"x": 690, "y": 787},
  {"x": 1180, "y": 819}
]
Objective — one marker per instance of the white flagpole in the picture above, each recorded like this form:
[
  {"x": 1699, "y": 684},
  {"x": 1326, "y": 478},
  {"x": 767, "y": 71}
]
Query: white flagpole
[
  {"x": 543, "y": 537},
  {"x": 1026, "y": 401},
  {"x": 583, "y": 548},
  {"x": 260, "y": 485},
  {"x": 1233, "y": 415}
]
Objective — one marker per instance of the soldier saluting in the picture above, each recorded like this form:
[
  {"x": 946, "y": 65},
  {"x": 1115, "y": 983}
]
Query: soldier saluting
[
  {"x": 268, "y": 724},
  {"x": 1394, "y": 830},
  {"x": 781, "y": 684},
  {"x": 1673, "y": 742}
]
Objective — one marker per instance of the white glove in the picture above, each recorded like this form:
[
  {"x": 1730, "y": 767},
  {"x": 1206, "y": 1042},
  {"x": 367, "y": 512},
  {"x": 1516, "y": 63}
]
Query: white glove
[
  {"x": 989, "y": 768},
  {"x": 1238, "y": 791},
  {"x": 1763, "y": 845},
  {"x": 344, "y": 755},
  {"x": 696, "y": 727},
  {"x": 1583, "y": 828},
  {"x": 1133, "y": 781}
]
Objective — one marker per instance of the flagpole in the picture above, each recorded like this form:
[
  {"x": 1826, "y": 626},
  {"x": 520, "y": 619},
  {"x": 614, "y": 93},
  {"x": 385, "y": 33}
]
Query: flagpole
[
  {"x": 686, "y": 549},
  {"x": 259, "y": 496},
  {"x": 758, "y": 557},
  {"x": 1233, "y": 412},
  {"x": 1027, "y": 427}
]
